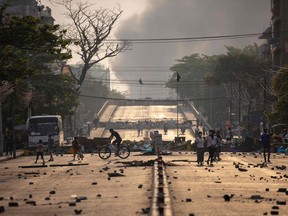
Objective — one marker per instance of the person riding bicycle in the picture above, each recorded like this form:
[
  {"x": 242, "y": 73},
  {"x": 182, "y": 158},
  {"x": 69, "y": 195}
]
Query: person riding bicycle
[{"x": 117, "y": 140}]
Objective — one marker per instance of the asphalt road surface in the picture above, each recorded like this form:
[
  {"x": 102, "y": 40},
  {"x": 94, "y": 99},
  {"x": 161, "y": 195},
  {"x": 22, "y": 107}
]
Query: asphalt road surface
[{"x": 237, "y": 185}]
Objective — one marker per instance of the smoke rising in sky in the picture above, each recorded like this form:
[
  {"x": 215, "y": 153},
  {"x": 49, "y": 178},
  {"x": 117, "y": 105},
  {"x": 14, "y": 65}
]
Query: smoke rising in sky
[
  {"x": 164, "y": 19},
  {"x": 183, "y": 19}
]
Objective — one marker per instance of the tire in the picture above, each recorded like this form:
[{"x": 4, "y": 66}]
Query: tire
[
  {"x": 104, "y": 152},
  {"x": 124, "y": 152}
]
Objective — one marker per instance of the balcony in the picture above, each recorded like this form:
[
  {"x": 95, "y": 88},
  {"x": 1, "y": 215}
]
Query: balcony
[
  {"x": 267, "y": 34},
  {"x": 275, "y": 7},
  {"x": 275, "y": 20},
  {"x": 275, "y": 47}
]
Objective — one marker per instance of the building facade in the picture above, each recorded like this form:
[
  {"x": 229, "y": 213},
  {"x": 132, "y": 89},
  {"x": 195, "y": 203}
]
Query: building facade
[
  {"x": 279, "y": 39},
  {"x": 28, "y": 8}
]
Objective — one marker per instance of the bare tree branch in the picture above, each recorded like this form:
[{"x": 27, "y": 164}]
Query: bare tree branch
[
  {"x": 90, "y": 32},
  {"x": 6, "y": 89}
]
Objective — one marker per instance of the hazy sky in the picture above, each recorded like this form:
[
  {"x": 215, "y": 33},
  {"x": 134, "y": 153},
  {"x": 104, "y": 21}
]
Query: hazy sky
[{"x": 146, "y": 19}]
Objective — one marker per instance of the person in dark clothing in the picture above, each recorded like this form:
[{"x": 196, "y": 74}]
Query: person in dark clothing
[
  {"x": 217, "y": 149},
  {"x": 265, "y": 141},
  {"x": 51, "y": 147},
  {"x": 9, "y": 143},
  {"x": 117, "y": 140},
  {"x": 75, "y": 148},
  {"x": 211, "y": 142}
]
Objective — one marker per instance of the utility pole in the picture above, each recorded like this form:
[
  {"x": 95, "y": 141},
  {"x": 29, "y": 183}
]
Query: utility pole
[
  {"x": 239, "y": 108},
  {"x": 211, "y": 105},
  {"x": 141, "y": 83},
  {"x": 264, "y": 101},
  {"x": 178, "y": 79},
  {"x": 1, "y": 129},
  {"x": 5, "y": 90},
  {"x": 230, "y": 104},
  {"x": 177, "y": 113}
]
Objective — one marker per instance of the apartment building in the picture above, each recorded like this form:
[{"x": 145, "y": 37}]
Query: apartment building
[
  {"x": 279, "y": 40},
  {"x": 28, "y": 8}
]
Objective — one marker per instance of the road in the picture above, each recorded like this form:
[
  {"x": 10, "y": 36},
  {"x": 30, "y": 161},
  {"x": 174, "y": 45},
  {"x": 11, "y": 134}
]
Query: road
[{"x": 192, "y": 190}]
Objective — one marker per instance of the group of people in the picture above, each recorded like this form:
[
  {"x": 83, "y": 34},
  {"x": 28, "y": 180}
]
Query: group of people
[
  {"x": 51, "y": 149},
  {"x": 212, "y": 142},
  {"x": 78, "y": 149}
]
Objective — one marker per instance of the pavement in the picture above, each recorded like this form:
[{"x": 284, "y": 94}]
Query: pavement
[
  {"x": 239, "y": 184},
  {"x": 4, "y": 157}
]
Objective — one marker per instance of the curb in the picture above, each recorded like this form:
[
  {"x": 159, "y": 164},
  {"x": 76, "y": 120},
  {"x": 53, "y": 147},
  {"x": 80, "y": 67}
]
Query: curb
[{"x": 7, "y": 158}]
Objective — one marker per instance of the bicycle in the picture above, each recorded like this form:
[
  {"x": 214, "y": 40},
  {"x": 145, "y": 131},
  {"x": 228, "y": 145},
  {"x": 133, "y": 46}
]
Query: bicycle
[{"x": 105, "y": 151}]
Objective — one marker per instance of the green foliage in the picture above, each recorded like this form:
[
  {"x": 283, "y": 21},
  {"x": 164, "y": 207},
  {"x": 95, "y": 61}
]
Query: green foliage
[
  {"x": 193, "y": 86},
  {"x": 212, "y": 82},
  {"x": 26, "y": 44},
  {"x": 237, "y": 65},
  {"x": 27, "y": 48},
  {"x": 56, "y": 94},
  {"x": 280, "y": 86}
]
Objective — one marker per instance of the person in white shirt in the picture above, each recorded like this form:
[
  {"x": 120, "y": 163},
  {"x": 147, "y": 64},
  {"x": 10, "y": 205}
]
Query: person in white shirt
[
  {"x": 39, "y": 152},
  {"x": 229, "y": 136},
  {"x": 200, "y": 149}
]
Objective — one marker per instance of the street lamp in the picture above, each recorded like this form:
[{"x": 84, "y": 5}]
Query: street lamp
[
  {"x": 141, "y": 83},
  {"x": 178, "y": 79}
]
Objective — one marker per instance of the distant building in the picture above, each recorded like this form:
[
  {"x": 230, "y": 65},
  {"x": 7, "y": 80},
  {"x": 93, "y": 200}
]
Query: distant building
[
  {"x": 33, "y": 8},
  {"x": 276, "y": 47},
  {"x": 100, "y": 73},
  {"x": 28, "y": 8},
  {"x": 279, "y": 40},
  {"x": 96, "y": 73},
  {"x": 265, "y": 50}
]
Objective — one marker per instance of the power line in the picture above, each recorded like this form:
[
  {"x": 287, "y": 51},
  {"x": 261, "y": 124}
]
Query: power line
[{"x": 185, "y": 39}]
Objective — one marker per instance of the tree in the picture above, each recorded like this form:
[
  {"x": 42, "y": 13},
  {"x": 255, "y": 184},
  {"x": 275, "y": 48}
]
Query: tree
[
  {"x": 228, "y": 77},
  {"x": 27, "y": 44},
  {"x": 27, "y": 47},
  {"x": 56, "y": 94},
  {"x": 193, "y": 86},
  {"x": 280, "y": 86},
  {"x": 241, "y": 73},
  {"x": 244, "y": 66},
  {"x": 90, "y": 31}
]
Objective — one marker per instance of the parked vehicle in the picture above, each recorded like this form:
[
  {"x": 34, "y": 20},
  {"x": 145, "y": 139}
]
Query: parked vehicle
[{"x": 39, "y": 127}]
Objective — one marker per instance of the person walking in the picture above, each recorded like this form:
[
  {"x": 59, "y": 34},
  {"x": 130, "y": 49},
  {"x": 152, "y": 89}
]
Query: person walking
[
  {"x": 9, "y": 142},
  {"x": 165, "y": 127},
  {"x": 211, "y": 140},
  {"x": 182, "y": 128},
  {"x": 138, "y": 128},
  {"x": 217, "y": 146},
  {"x": 265, "y": 141},
  {"x": 39, "y": 152},
  {"x": 229, "y": 136},
  {"x": 200, "y": 149},
  {"x": 196, "y": 130},
  {"x": 75, "y": 148},
  {"x": 51, "y": 147}
]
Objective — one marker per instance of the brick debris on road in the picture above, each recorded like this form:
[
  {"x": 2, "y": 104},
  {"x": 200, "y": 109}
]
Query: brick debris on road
[{"x": 239, "y": 184}]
